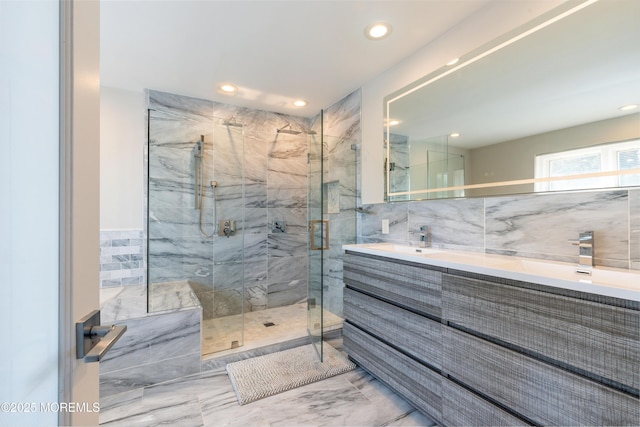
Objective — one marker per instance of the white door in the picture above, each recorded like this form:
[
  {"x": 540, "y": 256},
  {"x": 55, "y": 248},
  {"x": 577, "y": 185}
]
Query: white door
[{"x": 49, "y": 209}]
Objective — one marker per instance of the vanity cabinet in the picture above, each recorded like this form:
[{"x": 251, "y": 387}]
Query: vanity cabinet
[
  {"x": 586, "y": 334},
  {"x": 481, "y": 350},
  {"x": 404, "y": 284}
]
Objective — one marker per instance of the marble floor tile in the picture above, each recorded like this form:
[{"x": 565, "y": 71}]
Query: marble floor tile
[
  {"x": 207, "y": 399},
  {"x": 152, "y": 413}
]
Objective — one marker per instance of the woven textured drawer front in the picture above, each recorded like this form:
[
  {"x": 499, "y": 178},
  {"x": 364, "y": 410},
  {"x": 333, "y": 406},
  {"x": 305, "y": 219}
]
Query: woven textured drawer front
[
  {"x": 595, "y": 338},
  {"x": 416, "y": 383},
  {"x": 460, "y": 407},
  {"x": 409, "y": 285},
  {"x": 540, "y": 392},
  {"x": 413, "y": 334}
]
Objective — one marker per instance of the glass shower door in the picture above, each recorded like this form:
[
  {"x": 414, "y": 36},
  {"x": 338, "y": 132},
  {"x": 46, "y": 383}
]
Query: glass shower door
[
  {"x": 177, "y": 252},
  {"x": 316, "y": 240},
  {"x": 195, "y": 180}
]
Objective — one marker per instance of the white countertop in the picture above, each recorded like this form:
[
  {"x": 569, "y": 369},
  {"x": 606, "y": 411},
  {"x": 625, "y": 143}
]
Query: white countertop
[{"x": 613, "y": 282}]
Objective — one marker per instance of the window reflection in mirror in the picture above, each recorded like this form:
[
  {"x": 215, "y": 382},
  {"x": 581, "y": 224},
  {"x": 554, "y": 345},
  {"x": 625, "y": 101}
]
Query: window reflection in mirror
[{"x": 591, "y": 161}]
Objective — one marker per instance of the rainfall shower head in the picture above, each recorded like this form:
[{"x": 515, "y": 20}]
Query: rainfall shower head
[
  {"x": 290, "y": 131},
  {"x": 231, "y": 121}
]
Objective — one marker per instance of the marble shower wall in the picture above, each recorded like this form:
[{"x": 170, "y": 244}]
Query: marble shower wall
[
  {"x": 262, "y": 177},
  {"x": 534, "y": 225}
]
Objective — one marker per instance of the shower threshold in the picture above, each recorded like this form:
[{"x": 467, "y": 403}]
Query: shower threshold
[{"x": 289, "y": 324}]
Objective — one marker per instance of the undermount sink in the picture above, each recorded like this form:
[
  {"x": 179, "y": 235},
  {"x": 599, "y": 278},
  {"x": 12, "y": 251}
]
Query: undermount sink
[
  {"x": 607, "y": 281},
  {"x": 407, "y": 249},
  {"x": 603, "y": 275}
]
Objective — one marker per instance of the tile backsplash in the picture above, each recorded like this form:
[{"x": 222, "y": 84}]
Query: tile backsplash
[
  {"x": 533, "y": 225},
  {"x": 122, "y": 258}
]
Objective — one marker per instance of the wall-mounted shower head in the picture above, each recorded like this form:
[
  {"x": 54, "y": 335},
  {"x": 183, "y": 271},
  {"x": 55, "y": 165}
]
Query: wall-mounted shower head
[
  {"x": 287, "y": 129},
  {"x": 231, "y": 121},
  {"x": 199, "y": 149}
]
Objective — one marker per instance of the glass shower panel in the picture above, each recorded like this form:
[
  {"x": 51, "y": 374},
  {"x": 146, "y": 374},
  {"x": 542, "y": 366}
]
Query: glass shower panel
[
  {"x": 339, "y": 211},
  {"x": 177, "y": 253},
  {"x": 223, "y": 304},
  {"x": 332, "y": 223},
  {"x": 192, "y": 184},
  {"x": 316, "y": 241}
]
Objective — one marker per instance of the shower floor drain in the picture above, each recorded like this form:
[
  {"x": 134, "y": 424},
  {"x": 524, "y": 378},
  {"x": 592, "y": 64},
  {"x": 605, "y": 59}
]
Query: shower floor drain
[{"x": 267, "y": 324}]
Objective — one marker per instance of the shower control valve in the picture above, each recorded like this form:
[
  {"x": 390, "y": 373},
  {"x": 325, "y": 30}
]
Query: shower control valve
[
  {"x": 227, "y": 227},
  {"x": 279, "y": 226}
]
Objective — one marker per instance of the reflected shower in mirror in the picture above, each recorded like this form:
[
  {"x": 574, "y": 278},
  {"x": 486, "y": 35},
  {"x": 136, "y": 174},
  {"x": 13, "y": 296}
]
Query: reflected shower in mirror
[{"x": 552, "y": 92}]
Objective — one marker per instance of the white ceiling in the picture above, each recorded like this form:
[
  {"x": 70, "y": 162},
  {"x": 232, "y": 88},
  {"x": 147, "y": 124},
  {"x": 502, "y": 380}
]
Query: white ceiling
[{"x": 274, "y": 51}]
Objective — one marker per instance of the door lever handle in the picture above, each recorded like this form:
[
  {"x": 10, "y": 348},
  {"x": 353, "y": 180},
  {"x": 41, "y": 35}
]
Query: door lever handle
[{"x": 94, "y": 340}]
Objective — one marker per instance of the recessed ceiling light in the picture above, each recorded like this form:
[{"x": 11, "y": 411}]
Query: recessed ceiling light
[
  {"x": 300, "y": 103},
  {"x": 453, "y": 61},
  {"x": 629, "y": 107},
  {"x": 228, "y": 88},
  {"x": 454, "y": 135},
  {"x": 377, "y": 30}
]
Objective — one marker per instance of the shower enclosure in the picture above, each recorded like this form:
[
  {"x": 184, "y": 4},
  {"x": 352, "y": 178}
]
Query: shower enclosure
[
  {"x": 247, "y": 221},
  {"x": 195, "y": 222}
]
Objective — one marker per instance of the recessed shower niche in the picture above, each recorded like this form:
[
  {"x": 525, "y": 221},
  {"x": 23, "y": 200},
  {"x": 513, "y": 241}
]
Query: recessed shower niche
[{"x": 331, "y": 197}]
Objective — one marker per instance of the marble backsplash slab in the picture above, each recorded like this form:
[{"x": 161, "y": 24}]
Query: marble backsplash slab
[
  {"x": 541, "y": 227},
  {"x": 534, "y": 225}
]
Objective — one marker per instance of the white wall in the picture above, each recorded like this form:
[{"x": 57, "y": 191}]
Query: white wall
[
  {"x": 122, "y": 134},
  {"x": 487, "y": 24},
  {"x": 29, "y": 153}
]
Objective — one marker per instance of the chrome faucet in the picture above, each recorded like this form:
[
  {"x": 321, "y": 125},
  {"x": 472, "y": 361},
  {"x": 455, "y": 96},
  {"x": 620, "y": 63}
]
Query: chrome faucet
[
  {"x": 227, "y": 228},
  {"x": 424, "y": 235},
  {"x": 586, "y": 244}
]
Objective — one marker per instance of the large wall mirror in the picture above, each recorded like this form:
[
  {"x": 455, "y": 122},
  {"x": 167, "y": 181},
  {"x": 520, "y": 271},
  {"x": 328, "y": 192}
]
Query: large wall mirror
[{"x": 545, "y": 108}]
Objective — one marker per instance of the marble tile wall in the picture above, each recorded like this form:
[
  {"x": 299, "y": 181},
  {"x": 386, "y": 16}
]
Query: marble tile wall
[
  {"x": 535, "y": 225},
  {"x": 262, "y": 177},
  {"x": 122, "y": 258}
]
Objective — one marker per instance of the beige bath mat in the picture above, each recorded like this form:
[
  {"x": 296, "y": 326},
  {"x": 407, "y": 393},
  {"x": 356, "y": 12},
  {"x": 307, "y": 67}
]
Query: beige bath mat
[{"x": 264, "y": 376}]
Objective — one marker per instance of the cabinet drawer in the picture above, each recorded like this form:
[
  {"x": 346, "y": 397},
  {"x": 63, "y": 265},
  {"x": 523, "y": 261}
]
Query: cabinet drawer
[
  {"x": 414, "y": 334},
  {"x": 598, "y": 339},
  {"x": 538, "y": 391},
  {"x": 419, "y": 385},
  {"x": 460, "y": 407},
  {"x": 415, "y": 287}
]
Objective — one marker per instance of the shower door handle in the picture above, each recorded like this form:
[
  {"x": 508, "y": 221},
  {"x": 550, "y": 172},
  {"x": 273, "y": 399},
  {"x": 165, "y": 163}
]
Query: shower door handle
[
  {"x": 324, "y": 234},
  {"x": 94, "y": 340}
]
